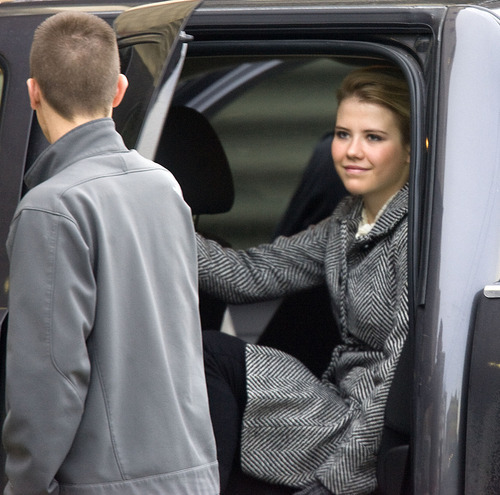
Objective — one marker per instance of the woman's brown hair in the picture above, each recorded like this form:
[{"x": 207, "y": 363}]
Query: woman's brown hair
[{"x": 381, "y": 85}]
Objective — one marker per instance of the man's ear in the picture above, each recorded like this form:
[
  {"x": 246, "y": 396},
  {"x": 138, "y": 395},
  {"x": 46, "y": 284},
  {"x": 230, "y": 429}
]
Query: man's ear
[
  {"x": 34, "y": 93},
  {"x": 121, "y": 88}
]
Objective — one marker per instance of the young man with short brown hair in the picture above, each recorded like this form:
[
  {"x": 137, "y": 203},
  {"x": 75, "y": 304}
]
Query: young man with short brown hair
[{"x": 105, "y": 382}]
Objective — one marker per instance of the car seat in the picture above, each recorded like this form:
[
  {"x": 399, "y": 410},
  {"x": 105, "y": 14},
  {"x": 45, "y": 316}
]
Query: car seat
[
  {"x": 318, "y": 193},
  {"x": 394, "y": 459},
  {"x": 192, "y": 151},
  {"x": 303, "y": 324}
]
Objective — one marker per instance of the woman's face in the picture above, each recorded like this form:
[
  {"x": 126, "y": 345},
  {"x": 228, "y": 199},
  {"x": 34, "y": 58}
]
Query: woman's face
[{"x": 369, "y": 154}]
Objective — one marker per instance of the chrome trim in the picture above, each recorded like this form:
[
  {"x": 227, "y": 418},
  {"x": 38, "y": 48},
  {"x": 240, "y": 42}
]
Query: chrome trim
[{"x": 492, "y": 291}]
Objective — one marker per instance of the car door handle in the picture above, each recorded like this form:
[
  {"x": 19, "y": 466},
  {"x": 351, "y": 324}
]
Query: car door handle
[{"x": 492, "y": 291}]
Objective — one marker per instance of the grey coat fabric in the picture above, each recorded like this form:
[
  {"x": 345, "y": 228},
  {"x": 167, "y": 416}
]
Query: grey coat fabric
[
  {"x": 298, "y": 430},
  {"x": 105, "y": 384}
]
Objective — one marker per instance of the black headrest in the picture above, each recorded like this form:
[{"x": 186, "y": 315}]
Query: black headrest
[{"x": 191, "y": 150}]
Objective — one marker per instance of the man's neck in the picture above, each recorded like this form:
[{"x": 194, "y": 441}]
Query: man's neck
[
  {"x": 55, "y": 126},
  {"x": 59, "y": 128}
]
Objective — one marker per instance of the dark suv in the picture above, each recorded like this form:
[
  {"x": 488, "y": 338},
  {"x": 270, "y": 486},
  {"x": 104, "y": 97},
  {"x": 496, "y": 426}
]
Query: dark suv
[{"x": 239, "y": 102}]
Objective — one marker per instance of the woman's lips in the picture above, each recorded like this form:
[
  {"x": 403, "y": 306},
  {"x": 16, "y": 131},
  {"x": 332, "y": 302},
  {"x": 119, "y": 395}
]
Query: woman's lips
[{"x": 354, "y": 169}]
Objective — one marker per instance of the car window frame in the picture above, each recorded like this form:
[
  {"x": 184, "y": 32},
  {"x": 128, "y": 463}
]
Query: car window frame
[{"x": 413, "y": 68}]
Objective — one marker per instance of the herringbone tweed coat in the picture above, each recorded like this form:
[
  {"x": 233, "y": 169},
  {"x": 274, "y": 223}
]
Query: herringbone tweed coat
[{"x": 297, "y": 429}]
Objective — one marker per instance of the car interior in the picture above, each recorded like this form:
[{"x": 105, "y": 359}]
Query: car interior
[{"x": 262, "y": 148}]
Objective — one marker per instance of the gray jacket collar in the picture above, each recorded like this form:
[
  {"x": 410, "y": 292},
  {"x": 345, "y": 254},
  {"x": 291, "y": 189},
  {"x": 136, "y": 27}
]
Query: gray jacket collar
[{"x": 90, "y": 139}]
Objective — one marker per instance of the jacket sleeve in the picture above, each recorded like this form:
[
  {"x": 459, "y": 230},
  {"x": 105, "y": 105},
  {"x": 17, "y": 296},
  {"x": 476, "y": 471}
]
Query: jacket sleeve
[
  {"x": 265, "y": 272},
  {"x": 51, "y": 306}
]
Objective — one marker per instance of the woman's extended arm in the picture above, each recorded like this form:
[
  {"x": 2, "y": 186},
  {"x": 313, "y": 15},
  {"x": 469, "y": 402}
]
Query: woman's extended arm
[{"x": 268, "y": 271}]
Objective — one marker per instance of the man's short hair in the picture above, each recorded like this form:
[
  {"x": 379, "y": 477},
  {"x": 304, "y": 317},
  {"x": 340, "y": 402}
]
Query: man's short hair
[{"x": 74, "y": 58}]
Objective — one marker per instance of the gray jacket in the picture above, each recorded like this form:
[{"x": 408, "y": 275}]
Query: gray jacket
[
  {"x": 105, "y": 382},
  {"x": 298, "y": 430}
]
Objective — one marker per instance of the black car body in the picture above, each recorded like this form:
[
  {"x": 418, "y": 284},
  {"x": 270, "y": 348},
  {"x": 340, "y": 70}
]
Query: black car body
[{"x": 264, "y": 75}]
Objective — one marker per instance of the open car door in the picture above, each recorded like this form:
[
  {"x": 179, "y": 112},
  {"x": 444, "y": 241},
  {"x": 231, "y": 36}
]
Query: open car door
[{"x": 148, "y": 38}]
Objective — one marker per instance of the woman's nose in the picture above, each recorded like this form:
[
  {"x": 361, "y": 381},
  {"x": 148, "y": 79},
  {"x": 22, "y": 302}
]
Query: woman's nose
[{"x": 355, "y": 149}]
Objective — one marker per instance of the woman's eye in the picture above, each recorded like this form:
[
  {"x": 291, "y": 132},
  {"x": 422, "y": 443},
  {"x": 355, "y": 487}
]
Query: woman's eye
[
  {"x": 374, "y": 137},
  {"x": 341, "y": 134}
]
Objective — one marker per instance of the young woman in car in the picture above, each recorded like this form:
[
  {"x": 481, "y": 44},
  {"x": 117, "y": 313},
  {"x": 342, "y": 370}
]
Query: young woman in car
[{"x": 322, "y": 436}]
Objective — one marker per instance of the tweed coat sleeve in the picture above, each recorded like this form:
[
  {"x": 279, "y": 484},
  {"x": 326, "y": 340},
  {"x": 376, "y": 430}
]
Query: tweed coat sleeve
[{"x": 265, "y": 272}]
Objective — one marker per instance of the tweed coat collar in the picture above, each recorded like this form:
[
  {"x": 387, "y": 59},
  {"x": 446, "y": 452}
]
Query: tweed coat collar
[{"x": 349, "y": 212}]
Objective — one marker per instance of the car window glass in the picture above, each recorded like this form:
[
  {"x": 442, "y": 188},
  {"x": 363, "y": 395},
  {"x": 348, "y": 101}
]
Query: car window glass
[{"x": 269, "y": 131}]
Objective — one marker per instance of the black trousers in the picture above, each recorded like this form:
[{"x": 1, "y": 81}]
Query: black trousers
[{"x": 225, "y": 373}]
